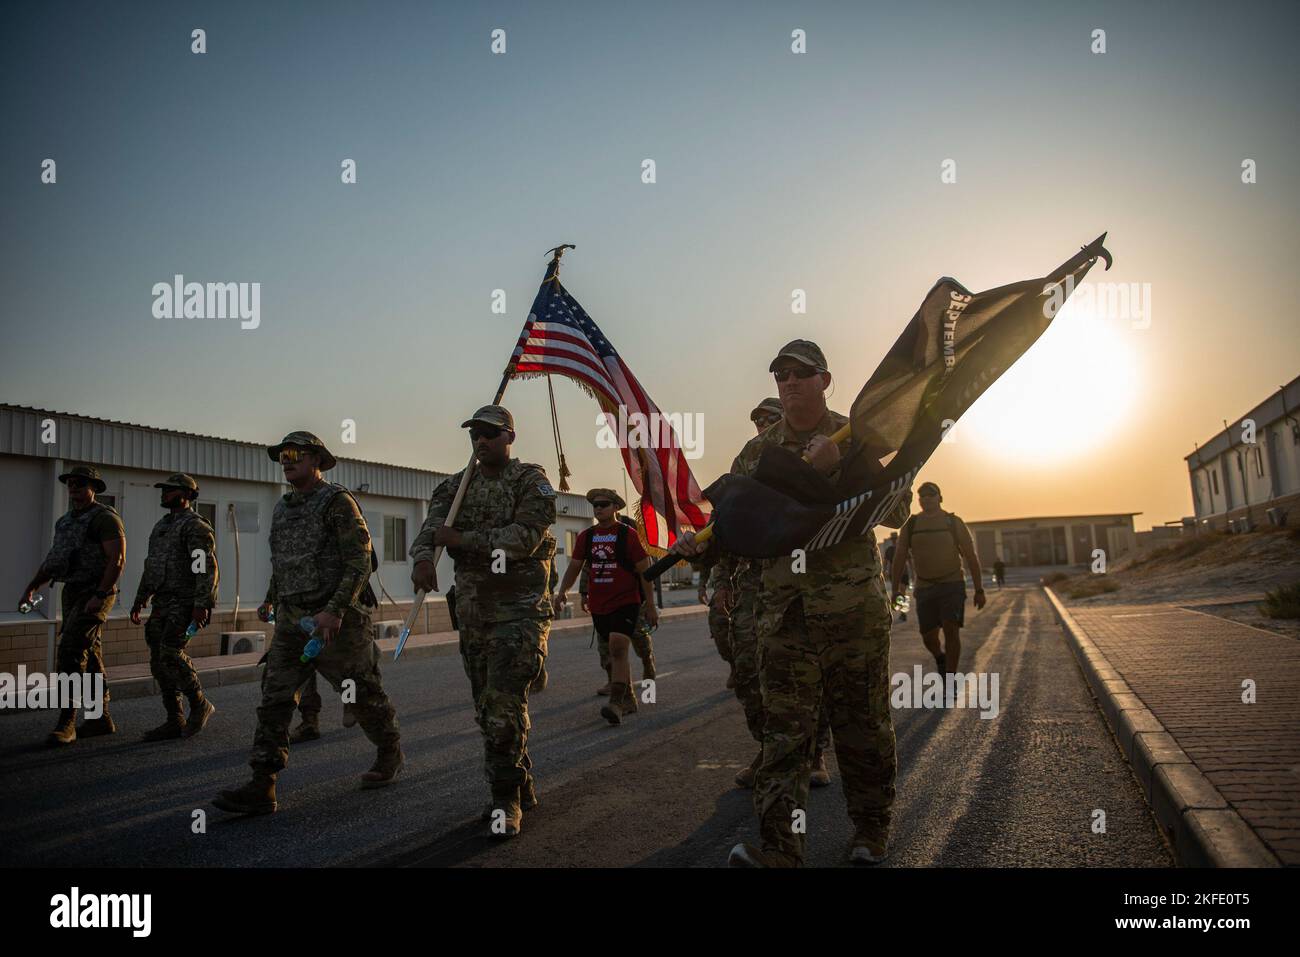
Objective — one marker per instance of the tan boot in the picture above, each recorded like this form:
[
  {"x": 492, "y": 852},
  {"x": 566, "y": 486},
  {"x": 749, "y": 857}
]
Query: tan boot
[
  {"x": 174, "y": 726},
  {"x": 527, "y": 799},
  {"x": 201, "y": 709},
  {"x": 65, "y": 729},
  {"x": 255, "y": 797},
  {"x": 612, "y": 711},
  {"x": 745, "y": 777},
  {"x": 308, "y": 730},
  {"x": 388, "y": 764},
  {"x": 507, "y": 816},
  {"x": 820, "y": 776},
  {"x": 870, "y": 845},
  {"x": 648, "y": 666},
  {"x": 629, "y": 700},
  {"x": 747, "y": 855}
]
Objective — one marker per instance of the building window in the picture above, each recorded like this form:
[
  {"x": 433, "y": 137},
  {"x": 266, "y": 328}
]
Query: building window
[{"x": 394, "y": 538}]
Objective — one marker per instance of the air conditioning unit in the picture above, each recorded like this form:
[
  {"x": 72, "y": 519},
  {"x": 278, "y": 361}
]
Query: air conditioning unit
[
  {"x": 390, "y": 628},
  {"x": 242, "y": 642}
]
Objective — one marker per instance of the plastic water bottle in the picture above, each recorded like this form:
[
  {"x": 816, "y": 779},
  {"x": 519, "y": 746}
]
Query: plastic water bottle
[
  {"x": 308, "y": 624},
  {"x": 270, "y": 617},
  {"x": 192, "y": 630},
  {"x": 902, "y": 603},
  {"x": 27, "y": 606}
]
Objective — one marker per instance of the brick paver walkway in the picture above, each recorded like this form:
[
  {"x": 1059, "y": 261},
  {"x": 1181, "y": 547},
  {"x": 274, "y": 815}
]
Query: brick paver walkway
[{"x": 1188, "y": 668}]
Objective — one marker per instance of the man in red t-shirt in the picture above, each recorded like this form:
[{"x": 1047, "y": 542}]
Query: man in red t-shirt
[{"x": 616, "y": 592}]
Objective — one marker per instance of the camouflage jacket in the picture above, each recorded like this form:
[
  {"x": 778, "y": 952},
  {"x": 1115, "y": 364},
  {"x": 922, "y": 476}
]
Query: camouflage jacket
[
  {"x": 169, "y": 566},
  {"x": 320, "y": 552},
  {"x": 833, "y": 577},
  {"x": 512, "y": 512},
  {"x": 73, "y": 559}
]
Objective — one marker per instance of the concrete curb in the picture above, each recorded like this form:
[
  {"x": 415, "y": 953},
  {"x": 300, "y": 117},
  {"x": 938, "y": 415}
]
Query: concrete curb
[
  {"x": 1200, "y": 825},
  {"x": 215, "y": 677}
]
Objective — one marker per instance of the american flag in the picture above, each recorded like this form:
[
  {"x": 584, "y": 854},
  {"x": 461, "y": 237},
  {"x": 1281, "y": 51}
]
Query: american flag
[{"x": 560, "y": 338}]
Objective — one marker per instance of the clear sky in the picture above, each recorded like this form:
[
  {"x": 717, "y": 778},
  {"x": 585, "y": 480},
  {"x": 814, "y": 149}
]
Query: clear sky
[{"x": 775, "y": 171}]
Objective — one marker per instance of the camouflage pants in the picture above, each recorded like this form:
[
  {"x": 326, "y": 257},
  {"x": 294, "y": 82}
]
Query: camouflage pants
[
  {"x": 745, "y": 660},
  {"x": 502, "y": 659},
  {"x": 720, "y": 632},
  {"x": 164, "y": 633},
  {"x": 309, "y": 702},
  {"x": 841, "y": 659},
  {"x": 641, "y": 644},
  {"x": 80, "y": 650},
  {"x": 350, "y": 655}
]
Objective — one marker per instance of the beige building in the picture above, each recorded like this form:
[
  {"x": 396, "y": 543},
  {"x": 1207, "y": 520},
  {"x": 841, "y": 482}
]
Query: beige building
[
  {"x": 1054, "y": 540},
  {"x": 1248, "y": 475}
]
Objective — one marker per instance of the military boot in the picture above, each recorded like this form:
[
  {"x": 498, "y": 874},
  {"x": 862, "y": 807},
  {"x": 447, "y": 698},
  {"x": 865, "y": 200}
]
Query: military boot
[
  {"x": 747, "y": 855},
  {"x": 201, "y": 709},
  {"x": 65, "y": 729},
  {"x": 613, "y": 710},
  {"x": 648, "y": 666},
  {"x": 820, "y": 776},
  {"x": 745, "y": 777},
  {"x": 255, "y": 797},
  {"x": 629, "y": 700},
  {"x": 505, "y": 799},
  {"x": 174, "y": 726},
  {"x": 870, "y": 845},
  {"x": 307, "y": 730},
  {"x": 96, "y": 727},
  {"x": 527, "y": 799},
  {"x": 388, "y": 764}
]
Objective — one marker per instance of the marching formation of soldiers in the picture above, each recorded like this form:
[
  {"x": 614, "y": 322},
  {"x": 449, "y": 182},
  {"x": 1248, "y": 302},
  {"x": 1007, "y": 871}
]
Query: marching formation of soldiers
[{"x": 808, "y": 648}]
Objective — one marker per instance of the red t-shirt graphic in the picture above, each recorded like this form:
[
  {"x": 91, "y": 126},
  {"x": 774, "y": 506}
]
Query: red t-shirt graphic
[{"x": 609, "y": 585}]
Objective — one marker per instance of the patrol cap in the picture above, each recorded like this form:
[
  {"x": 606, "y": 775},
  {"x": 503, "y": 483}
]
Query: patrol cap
[
  {"x": 182, "y": 481},
  {"x": 802, "y": 350},
  {"x": 87, "y": 472},
  {"x": 606, "y": 493},
  {"x": 928, "y": 488},
  {"x": 497, "y": 415},
  {"x": 770, "y": 406},
  {"x": 304, "y": 440}
]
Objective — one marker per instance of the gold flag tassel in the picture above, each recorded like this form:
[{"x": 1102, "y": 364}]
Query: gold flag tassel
[{"x": 559, "y": 445}]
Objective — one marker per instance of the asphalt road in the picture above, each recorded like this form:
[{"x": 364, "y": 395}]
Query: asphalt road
[{"x": 1020, "y": 789}]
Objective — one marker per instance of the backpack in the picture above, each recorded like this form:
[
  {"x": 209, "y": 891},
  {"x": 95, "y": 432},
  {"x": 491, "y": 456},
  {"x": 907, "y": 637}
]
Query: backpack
[{"x": 908, "y": 527}]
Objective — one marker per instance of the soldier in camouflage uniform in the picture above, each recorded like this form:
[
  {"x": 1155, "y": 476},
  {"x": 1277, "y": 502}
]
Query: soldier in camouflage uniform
[
  {"x": 740, "y": 590},
  {"x": 823, "y": 635},
  {"x": 88, "y": 553},
  {"x": 181, "y": 541},
  {"x": 719, "y": 618},
  {"x": 321, "y": 565},
  {"x": 502, "y": 545}
]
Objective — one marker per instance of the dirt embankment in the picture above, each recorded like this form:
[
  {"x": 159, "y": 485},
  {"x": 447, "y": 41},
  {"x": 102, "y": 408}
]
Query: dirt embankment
[{"x": 1214, "y": 572}]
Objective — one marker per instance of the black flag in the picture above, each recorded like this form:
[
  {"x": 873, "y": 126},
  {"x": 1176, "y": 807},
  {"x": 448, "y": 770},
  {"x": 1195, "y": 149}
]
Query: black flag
[{"x": 955, "y": 347}]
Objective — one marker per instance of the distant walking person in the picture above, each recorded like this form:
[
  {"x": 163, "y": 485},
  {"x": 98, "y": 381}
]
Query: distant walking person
[
  {"x": 999, "y": 572},
  {"x": 937, "y": 541},
  {"x": 618, "y": 594}
]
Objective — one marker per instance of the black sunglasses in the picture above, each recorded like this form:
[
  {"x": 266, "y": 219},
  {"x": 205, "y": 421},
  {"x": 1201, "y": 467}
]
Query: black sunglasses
[
  {"x": 477, "y": 432},
  {"x": 602, "y": 504},
  {"x": 75, "y": 484},
  {"x": 799, "y": 372}
]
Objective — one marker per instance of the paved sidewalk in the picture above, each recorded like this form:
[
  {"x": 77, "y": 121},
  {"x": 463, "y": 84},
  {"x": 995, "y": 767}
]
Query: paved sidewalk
[
  {"x": 132, "y": 681},
  {"x": 1222, "y": 776}
]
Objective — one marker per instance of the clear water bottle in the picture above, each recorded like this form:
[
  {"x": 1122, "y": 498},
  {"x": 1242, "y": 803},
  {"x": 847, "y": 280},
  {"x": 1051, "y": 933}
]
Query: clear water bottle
[
  {"x": 308, "y": 624},
  {"x": 902, "y": 603},
  {"x": 192, "y": 630},
  {"x": 27, "y": 606},
  {"x": 270, "y": 617}
]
